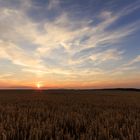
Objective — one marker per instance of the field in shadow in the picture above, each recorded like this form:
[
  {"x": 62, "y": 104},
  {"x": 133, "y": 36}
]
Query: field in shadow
[{"x": 70, "y": 114}]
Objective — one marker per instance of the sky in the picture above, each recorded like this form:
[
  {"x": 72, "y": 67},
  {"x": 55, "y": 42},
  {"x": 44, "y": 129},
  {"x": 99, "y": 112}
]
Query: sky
[{"x": 69, "y": 43}]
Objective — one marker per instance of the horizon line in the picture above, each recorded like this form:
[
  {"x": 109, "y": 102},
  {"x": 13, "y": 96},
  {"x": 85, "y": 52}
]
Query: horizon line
[{"x": 116, "y": 88}]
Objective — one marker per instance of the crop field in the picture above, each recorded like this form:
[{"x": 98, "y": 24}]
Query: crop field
[{"x": 69, "y": 115}]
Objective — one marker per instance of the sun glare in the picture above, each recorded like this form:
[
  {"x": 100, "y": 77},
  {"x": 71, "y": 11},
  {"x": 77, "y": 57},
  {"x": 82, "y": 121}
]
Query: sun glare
[{"x": 38, "y": 85}]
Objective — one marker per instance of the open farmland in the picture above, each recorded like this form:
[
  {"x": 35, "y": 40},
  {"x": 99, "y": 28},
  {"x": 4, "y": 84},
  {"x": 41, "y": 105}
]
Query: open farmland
[{"x": 69, "y": 115}]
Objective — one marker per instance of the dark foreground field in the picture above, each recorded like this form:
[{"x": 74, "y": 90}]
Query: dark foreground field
[{"x": 70, "y": 115}]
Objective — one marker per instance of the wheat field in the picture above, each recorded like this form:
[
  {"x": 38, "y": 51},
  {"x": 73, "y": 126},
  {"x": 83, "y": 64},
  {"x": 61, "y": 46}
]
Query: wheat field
[{"x": 69, "y": 115}]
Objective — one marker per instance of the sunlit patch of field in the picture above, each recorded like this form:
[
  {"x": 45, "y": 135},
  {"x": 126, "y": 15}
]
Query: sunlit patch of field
[{"x": 69, "y": 115}]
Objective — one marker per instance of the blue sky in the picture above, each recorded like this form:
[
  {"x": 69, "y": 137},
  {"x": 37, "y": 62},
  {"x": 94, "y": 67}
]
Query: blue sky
[{"x": 70, "y": 43}]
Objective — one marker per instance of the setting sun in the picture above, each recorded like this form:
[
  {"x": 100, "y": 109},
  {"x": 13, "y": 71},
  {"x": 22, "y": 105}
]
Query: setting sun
[{"x": 39, "y": 85}]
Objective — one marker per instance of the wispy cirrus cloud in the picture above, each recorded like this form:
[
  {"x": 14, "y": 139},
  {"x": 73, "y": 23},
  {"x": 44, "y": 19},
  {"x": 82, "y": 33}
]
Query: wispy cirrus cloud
[
  {"x": 133, "y": 61},
  {"x": 17, "y": 55},
  {"x": 5, "y": 76},
  {"x": 111, "y": 54}
]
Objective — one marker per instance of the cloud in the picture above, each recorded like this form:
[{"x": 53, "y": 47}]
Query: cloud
[
  {"x": 62, "y": 45},
  {"x": 111, "y": 54},
  {"x": 129, "y": 9},
  {"x": 126, "y": 67},
  {"x": 53, "y": 4},
  {"x": 135, "y": 60},
  {"x": 16, "y": 55},
  {"x": 5, "y": 76},
  {"x": 80, "y": 39}
]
